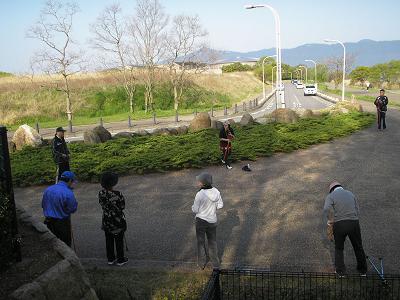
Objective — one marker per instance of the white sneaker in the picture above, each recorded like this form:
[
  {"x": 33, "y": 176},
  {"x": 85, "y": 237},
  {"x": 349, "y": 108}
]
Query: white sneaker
[
  {"x": 222, "y": 161},
  {"x": 111, "y": 263},
  {"x": 228, "y": 167},
  {"x": 122, "y": 262}
]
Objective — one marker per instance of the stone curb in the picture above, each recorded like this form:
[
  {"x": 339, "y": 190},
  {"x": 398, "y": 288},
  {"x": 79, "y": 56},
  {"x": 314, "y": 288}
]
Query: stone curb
[{"x": 67, "y": 271}]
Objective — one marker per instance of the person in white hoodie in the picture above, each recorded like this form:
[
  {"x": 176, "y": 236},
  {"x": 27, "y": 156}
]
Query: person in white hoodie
[{"x": 208, "y": 199}]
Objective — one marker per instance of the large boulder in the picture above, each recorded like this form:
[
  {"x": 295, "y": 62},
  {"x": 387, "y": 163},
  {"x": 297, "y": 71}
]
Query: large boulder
[
  {"x": 161, "y": 131},
  {"x": 96, "y": 135},
  {"x": 306, "y": 113},
  {"x": 201, "y": 121},
  {"x": 26, "y": 136},
  {"x": 217, "y": 124},
  {"x": 173, "y": 131},
  {"x": 141, "y": 132},
  {"x": 11, "y": 146},
  {"x": 182, "y": 129},
  {"x": 284, "y": 115},
  {"x": 246, "y": 119},
  {"x": 126, "y": 135}
]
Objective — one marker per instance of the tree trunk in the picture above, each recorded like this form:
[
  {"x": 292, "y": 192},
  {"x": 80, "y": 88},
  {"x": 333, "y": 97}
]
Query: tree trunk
[
  {"x": 68, "y": 98},
  {"x": 176, "y": 98}
]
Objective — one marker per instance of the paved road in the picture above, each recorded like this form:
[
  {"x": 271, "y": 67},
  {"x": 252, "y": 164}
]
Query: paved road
[
  {"x": 271, "y": 217},
  {"x": 294, "y": 99}
]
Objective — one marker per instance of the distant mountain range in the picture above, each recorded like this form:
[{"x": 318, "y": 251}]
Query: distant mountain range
[{"x": 367, "y": 53}]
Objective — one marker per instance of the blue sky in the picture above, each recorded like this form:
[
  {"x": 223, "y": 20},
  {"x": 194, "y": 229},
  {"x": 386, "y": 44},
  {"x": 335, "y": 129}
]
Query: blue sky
[{"x": 230, "y": 26}]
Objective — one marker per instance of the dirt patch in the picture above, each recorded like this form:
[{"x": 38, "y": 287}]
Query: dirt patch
[{"x": 37, "y": 257}]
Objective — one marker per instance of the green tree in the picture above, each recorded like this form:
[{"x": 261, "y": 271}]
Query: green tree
[{"x": 360, "y": 74}]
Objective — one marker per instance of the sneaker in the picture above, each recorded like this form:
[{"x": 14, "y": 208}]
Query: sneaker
[
  {"x": 122, "y": 262},
  {"x": 340, "y": 275},
  {"x": 228, "y": 167},
  {"x": 111, "y": 262},
  {"x": 222, "y": 161},
  {"x": 363, "y": 274}
]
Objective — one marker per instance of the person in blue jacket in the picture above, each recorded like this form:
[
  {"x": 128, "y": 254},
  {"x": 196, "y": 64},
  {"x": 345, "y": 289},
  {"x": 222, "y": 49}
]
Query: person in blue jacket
[{"x": 58, "y": 204}]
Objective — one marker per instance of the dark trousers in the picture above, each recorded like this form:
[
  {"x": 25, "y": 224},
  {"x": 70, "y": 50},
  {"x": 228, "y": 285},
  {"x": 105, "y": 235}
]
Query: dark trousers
[
  {"x": 203, "y": 229},
  {"x": 341, "y": 230},
  {"x": 381, "y": 119},
  {"x": 61, "y": 228},
  {"x": 62, "y": 167},
  {"x": 116, "y": 240}
]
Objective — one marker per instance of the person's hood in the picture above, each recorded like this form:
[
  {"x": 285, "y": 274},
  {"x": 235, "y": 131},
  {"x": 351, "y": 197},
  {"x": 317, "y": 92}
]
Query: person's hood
[{"x": 212, "y": 194}]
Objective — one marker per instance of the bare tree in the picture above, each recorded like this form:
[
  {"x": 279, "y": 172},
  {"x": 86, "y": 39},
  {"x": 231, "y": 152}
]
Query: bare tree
[
  {"x": 148, "y": 31},
  {"x": 110, "y": 37},
  {"x": 184, "y": 52},
  {"x": 335, "y": 67},
  {"x": 54, "y": 30}
]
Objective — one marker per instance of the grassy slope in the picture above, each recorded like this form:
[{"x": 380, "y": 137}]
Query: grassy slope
[
  {"x": 348, "y": 95},
  {"x": 22, "y": 101},
  {"x": 162, "y": 153}
]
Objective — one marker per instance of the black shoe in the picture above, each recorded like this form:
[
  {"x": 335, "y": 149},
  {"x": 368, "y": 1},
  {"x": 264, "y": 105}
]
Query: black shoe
[
  {"x": 111, "y": 262},
  {"x": 122, "y": 262}
]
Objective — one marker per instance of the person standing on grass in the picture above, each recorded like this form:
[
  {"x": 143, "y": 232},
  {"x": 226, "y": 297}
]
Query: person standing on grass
[
  {"x": 381, "y": 103},
  {"x": 345, "y": 223},
  {"x": 58, "y": 204},
  {"x": 113, "y": 222},
  {"x": 206, "y": 203},
  {"x": 60, "y": 152},
  {"x": 226, "y": 135}
]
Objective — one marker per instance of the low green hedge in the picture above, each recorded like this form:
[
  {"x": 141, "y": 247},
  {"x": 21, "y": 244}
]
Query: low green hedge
[{"x": 162, "y": 153}]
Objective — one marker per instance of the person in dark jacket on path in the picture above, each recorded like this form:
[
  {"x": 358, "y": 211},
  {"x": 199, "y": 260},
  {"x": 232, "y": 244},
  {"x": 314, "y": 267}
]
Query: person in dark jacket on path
[
  {"x": 381, "y": 103},
  {"x": 60, "y": 152},
  {"x": 113, "y": 222},
  {"x": 345, "y": 223},
  {"x": 58, "y": 204},
  {"x": 206, "y": 203}
]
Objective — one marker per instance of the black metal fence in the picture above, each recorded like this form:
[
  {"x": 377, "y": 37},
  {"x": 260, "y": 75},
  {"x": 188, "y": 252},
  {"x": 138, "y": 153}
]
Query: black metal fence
[
  {"x": 256, "y": 284},
  {"x": 9, "y": 242}
]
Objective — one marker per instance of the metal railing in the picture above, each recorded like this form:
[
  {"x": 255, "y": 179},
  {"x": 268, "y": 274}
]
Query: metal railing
[
  {"x": 256, "y": 284},
  {"x": 9, "y": 243}
]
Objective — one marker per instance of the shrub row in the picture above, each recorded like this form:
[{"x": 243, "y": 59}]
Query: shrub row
[{"x": 162, "y": 153}]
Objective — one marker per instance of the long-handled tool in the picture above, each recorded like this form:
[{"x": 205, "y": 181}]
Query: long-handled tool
[
  {"x": 73, "y": 239},
  {"x": 380, "y": 272}
]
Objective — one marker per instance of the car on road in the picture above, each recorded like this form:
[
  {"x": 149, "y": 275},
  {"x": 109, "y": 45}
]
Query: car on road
[
  {"x": 299, "y": 85},
  {"x": 310, "y": 90},
  {"x": 294, "y": 81}
]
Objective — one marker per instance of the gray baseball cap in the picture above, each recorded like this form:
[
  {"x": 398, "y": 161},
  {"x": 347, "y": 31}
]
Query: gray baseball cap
[{"x": 204, "y": 178}]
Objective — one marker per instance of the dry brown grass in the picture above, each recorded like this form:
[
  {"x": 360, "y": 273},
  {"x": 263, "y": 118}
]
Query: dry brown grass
[{"x": 31, "y": 97}]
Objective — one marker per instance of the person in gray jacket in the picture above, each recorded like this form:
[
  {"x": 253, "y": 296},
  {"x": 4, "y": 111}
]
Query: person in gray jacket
[
  {"x": 345, "y": 223},
  {"x": 208, "y": 199}
]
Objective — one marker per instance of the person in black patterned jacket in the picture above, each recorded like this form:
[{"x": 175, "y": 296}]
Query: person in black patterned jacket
[{"x": 113, "y": 222}]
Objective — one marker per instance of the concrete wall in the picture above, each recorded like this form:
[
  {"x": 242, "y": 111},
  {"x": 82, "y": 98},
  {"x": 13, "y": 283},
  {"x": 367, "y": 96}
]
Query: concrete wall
[{"x": 65, "y": 280}]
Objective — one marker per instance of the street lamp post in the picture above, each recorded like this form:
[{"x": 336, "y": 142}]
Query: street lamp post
[
  {"x": 279, "y": 92},
  {"x": 301, "y": 73},
  {"x": 305, "y": 68},
  {"x": 315, "y": 69},
  {"x": 272, "y": 73},
  {"x": 264, "y": 73},
  {"x": 344, "y": 62}
]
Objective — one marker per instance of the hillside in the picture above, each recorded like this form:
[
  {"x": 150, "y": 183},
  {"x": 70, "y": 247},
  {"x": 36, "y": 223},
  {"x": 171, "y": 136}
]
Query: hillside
[{"x": 367, "y": 52}]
